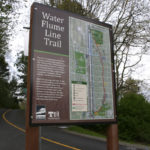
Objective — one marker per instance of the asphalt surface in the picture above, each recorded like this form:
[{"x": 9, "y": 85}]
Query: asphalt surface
[
  {"x": 10, "y": 137},
  {"x": 13, "y": 139}
]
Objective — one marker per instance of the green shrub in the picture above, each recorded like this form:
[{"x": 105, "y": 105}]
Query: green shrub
[{"x": 134, "y": 118}]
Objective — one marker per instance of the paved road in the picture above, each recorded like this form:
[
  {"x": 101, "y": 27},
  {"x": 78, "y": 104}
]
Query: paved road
[
  {"x": 13, "y": 139},
  {"x": 10, "y": 137}
]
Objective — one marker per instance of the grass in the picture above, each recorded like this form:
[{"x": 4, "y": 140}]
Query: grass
[
  {"x": 85, "y": 131},
  {"x": 22, "y": 105},
  {"x": 81, "y": 130}
]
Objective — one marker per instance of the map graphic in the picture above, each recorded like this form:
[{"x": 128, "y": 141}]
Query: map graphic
[{"x": 90, "y": 71}]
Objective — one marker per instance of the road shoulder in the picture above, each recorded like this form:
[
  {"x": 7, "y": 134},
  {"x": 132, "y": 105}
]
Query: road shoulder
[{"x": 121, "y": 143}]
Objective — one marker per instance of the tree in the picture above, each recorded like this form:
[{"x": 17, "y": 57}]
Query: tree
[
  {"x": 13, "y": 88},
  {"x": 133, "y": 118},
  {"x": 130, "y": 21},
  {"x": 5, "y": 9},
  {"x": 6, "y": 90},
  {"x": 145, "y": 88},
  {"x": 8, "y": 93},
  {"x": 73, "y": 6},
  {"x": 21, "y": 64},
  {"x": 131, "y": 86},
  {"x": 4, "y": 71}
]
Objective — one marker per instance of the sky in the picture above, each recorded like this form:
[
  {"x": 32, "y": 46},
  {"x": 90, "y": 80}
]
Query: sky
[{"x": 19, "y": 42}]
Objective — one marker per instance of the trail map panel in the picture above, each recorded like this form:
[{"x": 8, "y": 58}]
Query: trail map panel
[
  {"x": 90, "y": 62},
  {"x": 71, "y": 79}
]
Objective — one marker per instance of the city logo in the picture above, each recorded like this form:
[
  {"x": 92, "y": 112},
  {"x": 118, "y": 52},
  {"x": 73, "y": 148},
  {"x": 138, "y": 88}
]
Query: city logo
[{"x": 53, "y": 115}]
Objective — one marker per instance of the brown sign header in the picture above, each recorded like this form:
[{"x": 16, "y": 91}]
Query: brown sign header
[{"x": 49, "y": 29}]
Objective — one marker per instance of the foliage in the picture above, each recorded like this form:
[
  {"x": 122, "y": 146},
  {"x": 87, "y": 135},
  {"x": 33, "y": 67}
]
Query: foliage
[
  {"x": 130, "y": 20},
  {"x": 21, "y": 64},
  {"x": 74, "y": 7},
  {"x": 85, "y": 131},
  {"x": 4, "y": 71},
  {"x": 98, "y": 128},
  {"x": 145, "y": 88},
  {"x": 133, "y": 118},
  {"x": 8, "y": 98},
  {"x": 130, "y": 86},
  {"x": 7, "y": 90},
  {"x": 5, "y": 9},
  {"x": 13, "y": 87}
]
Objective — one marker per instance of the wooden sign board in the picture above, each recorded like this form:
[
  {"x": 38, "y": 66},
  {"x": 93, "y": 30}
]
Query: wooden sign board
[{"x": 71, "y": 63}]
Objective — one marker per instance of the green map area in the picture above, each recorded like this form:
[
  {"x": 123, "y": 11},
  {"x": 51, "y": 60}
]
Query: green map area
[
  {"x": 90, "y": 63},
  {"x": 97, "y": 36},
  {"x": 80, "y": 63}
]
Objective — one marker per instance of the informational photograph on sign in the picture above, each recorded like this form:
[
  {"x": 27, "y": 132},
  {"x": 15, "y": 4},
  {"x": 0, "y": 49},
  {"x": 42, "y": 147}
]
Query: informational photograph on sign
[{"x": 40, "y": 112}]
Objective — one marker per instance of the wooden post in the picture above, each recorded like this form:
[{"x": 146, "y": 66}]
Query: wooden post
[
  {"x": 32, "y": 138},
  {"x": 32, "y": 133},
  {"x": 112, "y": 137}
]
